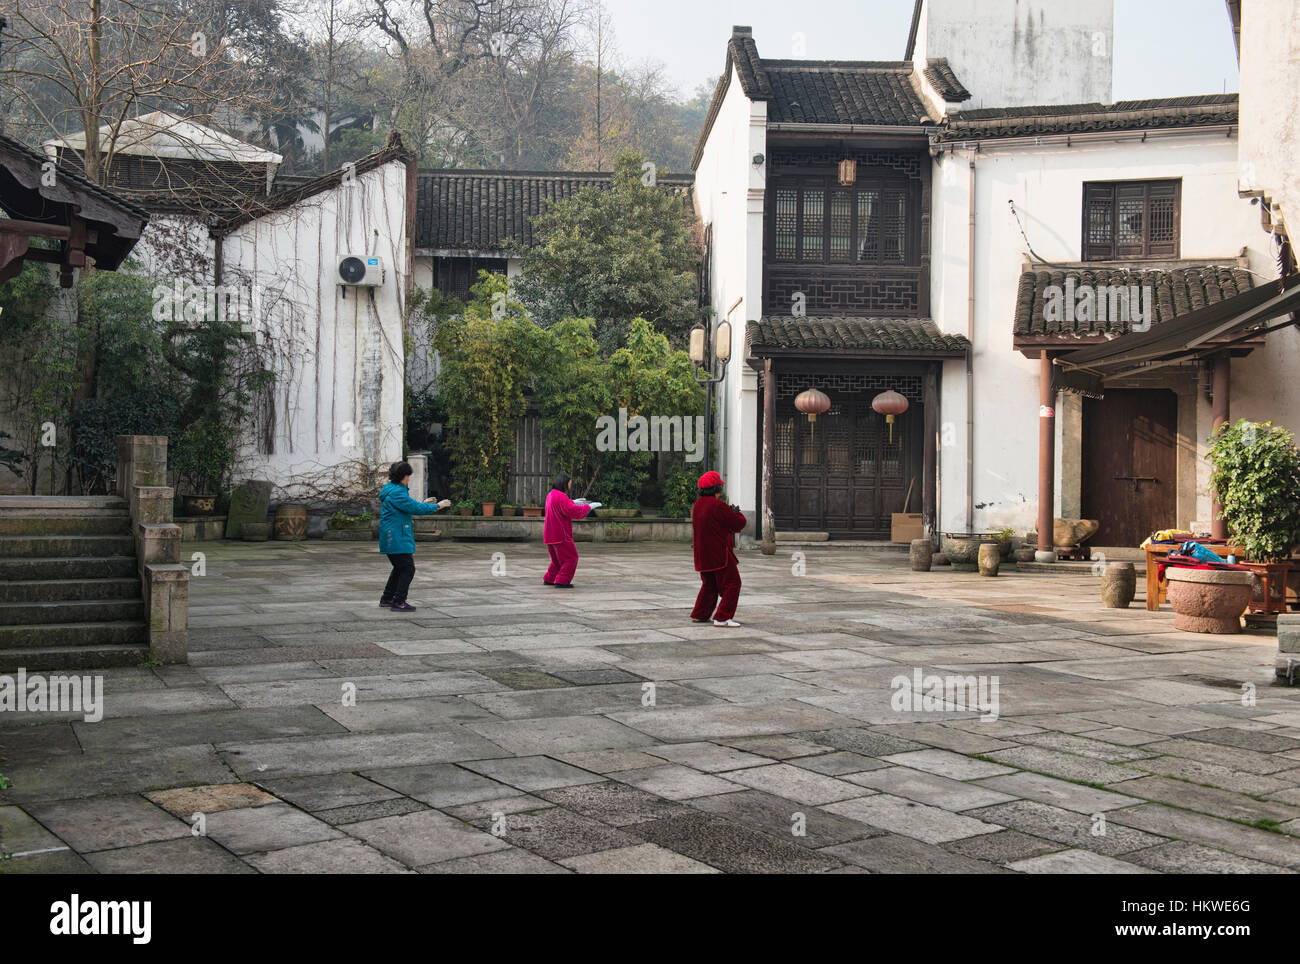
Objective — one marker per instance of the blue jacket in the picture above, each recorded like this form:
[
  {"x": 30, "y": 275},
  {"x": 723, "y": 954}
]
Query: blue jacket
[{"x": 396, "y": 531}]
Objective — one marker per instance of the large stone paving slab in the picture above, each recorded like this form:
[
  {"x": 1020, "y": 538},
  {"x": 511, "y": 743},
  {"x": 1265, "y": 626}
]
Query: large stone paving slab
[
  {"x": 269, "y": 759},
  {"x": 731, "y": 847}
]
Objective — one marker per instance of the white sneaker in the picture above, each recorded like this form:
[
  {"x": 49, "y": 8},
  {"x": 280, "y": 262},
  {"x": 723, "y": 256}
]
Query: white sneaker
[{"x": 731, "y": 623}]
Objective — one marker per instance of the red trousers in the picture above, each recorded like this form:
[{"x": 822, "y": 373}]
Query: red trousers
[
  {"x": 564, "y": 561},
  {"x": 718, "y": 582}
]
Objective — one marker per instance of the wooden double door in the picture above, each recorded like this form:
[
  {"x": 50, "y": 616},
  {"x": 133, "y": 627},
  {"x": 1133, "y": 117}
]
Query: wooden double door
[
  {"x": 1130, "y": 464},
  {"x": 843, "y": 474}
]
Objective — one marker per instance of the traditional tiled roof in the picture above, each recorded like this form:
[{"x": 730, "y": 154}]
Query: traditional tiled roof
[
  {"x": 252, "y": 208},
  {"x": 25, "y": 195},
  {"x": 1174, "y": 292},
  {"x": 877, "y": 93},
  {"x": 843, "y": 92},
  {"x": 1165, "y": 112},
  {"x": 940, "y": 75},
  {"x": 831, "y": 334},
  {"x": 483, "y": 210}
]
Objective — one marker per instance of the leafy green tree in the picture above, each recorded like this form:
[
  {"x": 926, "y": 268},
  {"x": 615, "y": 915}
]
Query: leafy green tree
[
  {"x": 647, "y": 377},
  {"x": 1257, "y": 479},
  {"x": 571, "y": 389},
  {"x": 485, "y": 354},
  {"x": 614, "y": 254}
]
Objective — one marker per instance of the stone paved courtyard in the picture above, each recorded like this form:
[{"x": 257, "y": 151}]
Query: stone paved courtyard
[{"x": 507, "y": 727}]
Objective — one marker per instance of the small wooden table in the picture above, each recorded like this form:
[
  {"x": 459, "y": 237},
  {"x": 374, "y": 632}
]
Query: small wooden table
[{"x": 1157, "y": 588}]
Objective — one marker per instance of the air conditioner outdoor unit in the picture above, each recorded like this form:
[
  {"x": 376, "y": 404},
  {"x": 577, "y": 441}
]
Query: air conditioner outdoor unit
[{"x": 361, "y": 270}]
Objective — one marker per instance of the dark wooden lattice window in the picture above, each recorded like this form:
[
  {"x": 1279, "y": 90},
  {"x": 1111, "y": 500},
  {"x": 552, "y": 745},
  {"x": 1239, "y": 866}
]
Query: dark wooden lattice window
[
  {"x": 1131, "y": 219},
  {"x": 815, "y": 220}
]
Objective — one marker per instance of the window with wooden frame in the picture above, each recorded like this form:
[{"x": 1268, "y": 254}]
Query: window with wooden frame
[
  {"x": 1131, "y": 219},
  {"x": 815, "y": 220}
]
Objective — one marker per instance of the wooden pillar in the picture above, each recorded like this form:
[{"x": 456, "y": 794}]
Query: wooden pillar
[
  {"x": 1220, "y": 416},
  {"x": 1046, "y": 459},
  {"x": 930, "y": 450},
  {"x": 769, "y": 457}
]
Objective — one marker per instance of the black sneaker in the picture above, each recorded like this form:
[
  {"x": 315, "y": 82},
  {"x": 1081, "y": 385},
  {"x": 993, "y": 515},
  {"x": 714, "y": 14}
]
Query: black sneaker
[
  {"x": 562, "y": 585},
  {"x": 401, "y": 607}
]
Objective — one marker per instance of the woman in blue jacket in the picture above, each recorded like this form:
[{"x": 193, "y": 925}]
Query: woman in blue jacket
[{"x": 397, "y": 534}]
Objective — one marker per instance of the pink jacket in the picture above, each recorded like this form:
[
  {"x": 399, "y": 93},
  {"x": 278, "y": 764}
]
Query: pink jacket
[{"x": 560, "y": 513}]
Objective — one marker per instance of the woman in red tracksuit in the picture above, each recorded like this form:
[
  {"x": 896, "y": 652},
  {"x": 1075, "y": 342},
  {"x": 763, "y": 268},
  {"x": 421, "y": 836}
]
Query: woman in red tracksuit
[
  {"x": 557, "y": 532},
  {"x": 714, "y": 525}
]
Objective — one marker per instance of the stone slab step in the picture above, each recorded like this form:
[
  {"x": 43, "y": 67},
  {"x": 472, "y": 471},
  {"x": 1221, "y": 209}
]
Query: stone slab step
[
  {"x": 71, "y": 635},
  {"x": 74, "y": 504},
  {"x": 64, "y": 590},
  {"x": 46, "y": 659},
  {"x": 115, "y": 524},
  {"x": 20, "y": 547},
  {"x": 71, "y": 610},
  {"x": 68, "y": 567}
]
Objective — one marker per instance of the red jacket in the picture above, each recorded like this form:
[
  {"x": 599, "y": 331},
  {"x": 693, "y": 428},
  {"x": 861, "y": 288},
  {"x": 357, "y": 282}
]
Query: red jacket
[
  {"x": 560, "y": 513},
  {"x": 715, "y": 524}
]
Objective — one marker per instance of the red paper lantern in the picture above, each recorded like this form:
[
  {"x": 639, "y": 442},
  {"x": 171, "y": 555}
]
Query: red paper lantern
[
  {"x": 890, "y": 403},
  {"x": 812, "y": 403}
]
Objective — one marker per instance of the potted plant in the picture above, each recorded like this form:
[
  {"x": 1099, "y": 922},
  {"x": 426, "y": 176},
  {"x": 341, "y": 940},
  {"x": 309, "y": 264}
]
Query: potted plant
[
  {"x": 485, "y": 493},
  {"x": 341, "y": 520},
  {"x": 1256, "y": 477},
  {"x": 617, "y": 532},
  {"x": 1004, "y": 538},
  {"x": 532, "y": 511},
  {"x": 620, "y": 509},
  {"x": 508, "y": 510},
  {"x": 465, "y": 507}
]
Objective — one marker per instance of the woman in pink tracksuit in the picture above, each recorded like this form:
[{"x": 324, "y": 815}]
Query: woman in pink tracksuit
[{"x": 557, "y": 532}]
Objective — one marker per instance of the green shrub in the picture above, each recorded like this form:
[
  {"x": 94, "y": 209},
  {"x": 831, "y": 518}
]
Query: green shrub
[
  {"x": 680, "y": 490},
  {"x": 1257, "y": 479}
]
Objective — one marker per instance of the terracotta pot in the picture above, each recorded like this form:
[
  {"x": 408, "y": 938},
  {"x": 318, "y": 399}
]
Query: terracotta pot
[
  {"x": 989, "y": 558},
  {"x": 1209, "y": 600},
  {"x": 920, "y": 555},
  {"x": 532, "y": 512},
  {"x": 489, "y": 508},
  {"x": 1118, "y": 585},
  {"x": 465, "y": 510}
]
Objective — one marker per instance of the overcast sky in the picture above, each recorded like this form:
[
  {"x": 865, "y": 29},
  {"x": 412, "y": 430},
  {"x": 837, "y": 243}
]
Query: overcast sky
[{"x": 1163, "y": 48}]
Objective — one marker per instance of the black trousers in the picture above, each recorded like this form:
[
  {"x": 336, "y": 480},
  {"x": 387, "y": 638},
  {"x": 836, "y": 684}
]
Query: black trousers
[{"x": 399, "y": 580}]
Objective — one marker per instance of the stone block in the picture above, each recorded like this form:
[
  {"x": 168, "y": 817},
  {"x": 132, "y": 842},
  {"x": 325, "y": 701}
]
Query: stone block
[
  {"x": 167, "y": 606},
  {"x": 158, "y": 543},
  {"x": 248, "y": 503},
  {"x": 152, "y": 504},
  {"x": 1288, "y": 633}
]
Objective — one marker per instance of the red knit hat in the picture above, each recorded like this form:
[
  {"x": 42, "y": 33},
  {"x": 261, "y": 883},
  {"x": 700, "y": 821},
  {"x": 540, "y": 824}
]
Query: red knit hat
[{"x": 709, "y": 479}]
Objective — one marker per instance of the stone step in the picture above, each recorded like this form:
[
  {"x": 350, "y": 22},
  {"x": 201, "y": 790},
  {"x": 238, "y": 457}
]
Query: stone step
[
  {"x": 11, "y": 505},
  {"x": 115, "y": 524},
  {"x": 46, "y": 659},
  {"x": 70, "y": 610},
  {"x": 57, "y": 590},
  {"x": 73, "y": 636},
  {"x": 43, "y": 547},
  {"x": 68, "y": 567}
]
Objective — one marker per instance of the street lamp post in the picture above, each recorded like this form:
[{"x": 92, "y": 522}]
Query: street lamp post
[{"x": 717, "y": 357}]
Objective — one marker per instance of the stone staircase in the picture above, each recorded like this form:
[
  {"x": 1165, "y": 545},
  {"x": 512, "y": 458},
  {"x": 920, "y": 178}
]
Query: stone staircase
[{"x": 70, "y": 590}]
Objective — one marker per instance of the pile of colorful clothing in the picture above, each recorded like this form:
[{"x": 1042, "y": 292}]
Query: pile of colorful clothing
[{"x": 1194, "y": 555}]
